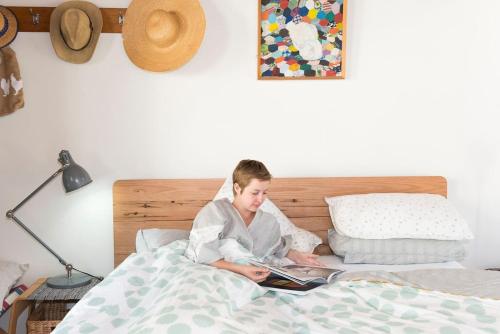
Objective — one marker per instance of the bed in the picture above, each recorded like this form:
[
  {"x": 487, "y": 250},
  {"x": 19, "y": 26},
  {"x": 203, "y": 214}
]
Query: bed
[{"x": 164, "y": 292}]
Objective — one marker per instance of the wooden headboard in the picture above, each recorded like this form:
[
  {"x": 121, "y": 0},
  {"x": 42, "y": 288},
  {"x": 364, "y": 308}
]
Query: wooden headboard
[{"x": 139, "y": 204}]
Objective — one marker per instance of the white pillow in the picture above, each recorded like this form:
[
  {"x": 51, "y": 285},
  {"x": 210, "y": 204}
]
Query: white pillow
[
  {"x": 150, "y": 239},
  {"x": 10, "y": 274},
  {"x": 387, "y": 216},
  {"x": 302, "y": 240}
]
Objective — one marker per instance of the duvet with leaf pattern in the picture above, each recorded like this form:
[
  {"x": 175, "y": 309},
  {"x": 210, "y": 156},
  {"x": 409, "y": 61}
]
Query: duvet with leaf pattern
[{"x": 164, "y": 292}]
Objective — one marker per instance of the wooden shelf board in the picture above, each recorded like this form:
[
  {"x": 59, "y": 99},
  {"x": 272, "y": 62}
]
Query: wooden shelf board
[{"x": 110, "y": 17}]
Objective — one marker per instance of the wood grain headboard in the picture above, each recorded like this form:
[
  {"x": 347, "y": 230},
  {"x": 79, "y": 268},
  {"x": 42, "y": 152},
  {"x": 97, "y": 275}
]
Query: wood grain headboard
[{"x": 139, "y": 204}]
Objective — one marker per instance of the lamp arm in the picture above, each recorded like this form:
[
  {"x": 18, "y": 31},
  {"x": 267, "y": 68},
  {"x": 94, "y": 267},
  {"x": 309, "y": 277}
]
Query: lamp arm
[
  {"x": 69, "y": 267},
  {"x": 30, "y": 232},
  {"x": 59, "y": 171},
  {"x": 10, "y": 214}
]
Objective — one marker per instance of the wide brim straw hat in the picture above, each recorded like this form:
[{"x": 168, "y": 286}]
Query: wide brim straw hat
[
  {"x": 162, "y": 35},
  {"x": 75, "y": 27},
  {"x": 8, "y": 26}
]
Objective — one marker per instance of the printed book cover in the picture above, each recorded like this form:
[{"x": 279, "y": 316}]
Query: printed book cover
[{"x": 280, "y": 284}]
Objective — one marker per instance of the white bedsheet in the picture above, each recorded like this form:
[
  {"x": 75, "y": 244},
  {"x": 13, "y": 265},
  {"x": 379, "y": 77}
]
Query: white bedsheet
[{"x": 336, "y": 262}]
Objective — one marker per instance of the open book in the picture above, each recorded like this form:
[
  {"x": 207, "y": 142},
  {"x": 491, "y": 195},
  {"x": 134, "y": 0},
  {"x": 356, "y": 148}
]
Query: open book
[{"x": 301, "y": 274}]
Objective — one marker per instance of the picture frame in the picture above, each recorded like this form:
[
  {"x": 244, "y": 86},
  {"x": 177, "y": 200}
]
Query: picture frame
[{"x": 301, "y": 39}]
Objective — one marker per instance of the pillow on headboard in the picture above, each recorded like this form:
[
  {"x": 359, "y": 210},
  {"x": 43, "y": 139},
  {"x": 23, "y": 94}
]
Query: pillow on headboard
[
  {"x": 10, "y": 274},
  {"x": 151, "y": 239},
  {"x": 397, "y": 215},
  {"x": 302, "y": 240}
]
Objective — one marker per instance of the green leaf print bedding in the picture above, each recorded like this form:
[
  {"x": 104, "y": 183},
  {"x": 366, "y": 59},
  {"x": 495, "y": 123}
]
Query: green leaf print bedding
[{"x": 164, "y": 292}]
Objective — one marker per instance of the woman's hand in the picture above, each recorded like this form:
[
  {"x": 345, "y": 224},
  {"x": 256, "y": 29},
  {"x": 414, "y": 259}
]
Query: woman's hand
[
  {"x": 256, "y": 274},
  {"x": 303, "y": 258}
]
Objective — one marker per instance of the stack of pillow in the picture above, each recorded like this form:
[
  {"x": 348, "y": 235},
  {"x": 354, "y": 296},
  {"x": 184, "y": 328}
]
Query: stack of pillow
[{"x": 396, "y": 228}]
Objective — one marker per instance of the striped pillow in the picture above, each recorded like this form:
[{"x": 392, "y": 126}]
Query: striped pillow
[
  {"x": 9, "y": 300},
  {"x": 395, "y": 251}
]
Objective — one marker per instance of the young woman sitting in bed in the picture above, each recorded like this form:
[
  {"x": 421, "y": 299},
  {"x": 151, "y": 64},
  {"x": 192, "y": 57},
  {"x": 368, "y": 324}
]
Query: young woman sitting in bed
[{"x": 224, "y": 232}]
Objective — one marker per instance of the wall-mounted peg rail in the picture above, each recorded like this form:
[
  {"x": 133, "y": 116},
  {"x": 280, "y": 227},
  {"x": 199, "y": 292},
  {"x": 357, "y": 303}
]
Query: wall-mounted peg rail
[{"x": 37, "y": 19}]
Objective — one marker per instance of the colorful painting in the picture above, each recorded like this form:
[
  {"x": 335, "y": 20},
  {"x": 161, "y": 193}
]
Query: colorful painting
[{"x": 302, "y": 39}]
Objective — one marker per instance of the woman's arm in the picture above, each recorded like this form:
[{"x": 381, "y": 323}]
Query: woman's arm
[
  {"x": 204, "y": 239},
  {"x": 256, "y": 274}
]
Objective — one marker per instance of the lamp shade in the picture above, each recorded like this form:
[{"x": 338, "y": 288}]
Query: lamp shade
[{"x": 74, "y": 176}]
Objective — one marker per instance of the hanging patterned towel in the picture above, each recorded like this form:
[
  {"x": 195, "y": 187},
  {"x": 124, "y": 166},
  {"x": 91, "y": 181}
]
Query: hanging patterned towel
[
  {"x": 9, "y": 300},
  {"x": 11, "y": 84}
]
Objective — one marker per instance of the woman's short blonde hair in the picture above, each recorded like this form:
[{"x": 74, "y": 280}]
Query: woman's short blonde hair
[{"x": 248, "y": 170}]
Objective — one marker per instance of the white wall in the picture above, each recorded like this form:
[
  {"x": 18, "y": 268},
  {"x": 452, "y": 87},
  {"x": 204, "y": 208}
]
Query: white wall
[{"x": 419, "y": 99}]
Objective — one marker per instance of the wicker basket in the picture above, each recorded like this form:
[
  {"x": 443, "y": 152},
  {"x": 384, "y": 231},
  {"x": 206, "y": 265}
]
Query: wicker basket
[{"x": 46, "y": 317}]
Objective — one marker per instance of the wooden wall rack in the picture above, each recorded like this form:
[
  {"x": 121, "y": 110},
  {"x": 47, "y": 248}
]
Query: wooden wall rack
[{"x": 37, "y": 19}]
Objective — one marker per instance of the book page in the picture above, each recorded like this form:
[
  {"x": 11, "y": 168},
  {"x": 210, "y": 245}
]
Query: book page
[
  {"x": 308, "y": 272},
  {"x": 300, "y": 273}
]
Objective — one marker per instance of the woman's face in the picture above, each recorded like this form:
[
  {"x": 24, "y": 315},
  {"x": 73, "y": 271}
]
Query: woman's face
[{"x": 253, "y": 195}]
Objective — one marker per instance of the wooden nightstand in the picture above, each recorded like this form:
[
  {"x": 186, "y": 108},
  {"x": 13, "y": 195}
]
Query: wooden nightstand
[
  {"x": 25, "y": 300},
  {"x": 21, "y": 303}
]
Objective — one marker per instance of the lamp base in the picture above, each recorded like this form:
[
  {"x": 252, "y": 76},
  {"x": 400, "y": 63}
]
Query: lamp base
[{"x": 63, "y": 282}]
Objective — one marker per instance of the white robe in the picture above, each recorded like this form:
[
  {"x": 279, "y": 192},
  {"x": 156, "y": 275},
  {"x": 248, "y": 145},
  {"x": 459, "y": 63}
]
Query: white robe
[{"x": 219, "y": 232}]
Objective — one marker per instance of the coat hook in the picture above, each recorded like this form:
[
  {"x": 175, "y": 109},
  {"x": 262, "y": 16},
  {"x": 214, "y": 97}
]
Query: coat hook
[
  {"x": 121, "y": 18},
  {"x": 35, "y": 17}
]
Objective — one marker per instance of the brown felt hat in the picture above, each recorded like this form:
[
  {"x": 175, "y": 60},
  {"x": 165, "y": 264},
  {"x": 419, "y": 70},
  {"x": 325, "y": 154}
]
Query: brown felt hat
[
  {"x": 11, "y": 84},
  {"x": 162, "y": 35},
  {"x": 75, "y": 27},
  {"x": 8, "y": 26}
]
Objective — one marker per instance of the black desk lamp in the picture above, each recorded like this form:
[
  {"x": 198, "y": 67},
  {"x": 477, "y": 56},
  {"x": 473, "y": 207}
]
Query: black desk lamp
[{"x": 74, "y": 177}]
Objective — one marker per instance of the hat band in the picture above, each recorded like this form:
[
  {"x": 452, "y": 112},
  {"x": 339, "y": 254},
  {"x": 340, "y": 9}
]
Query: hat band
[
  {"x": 83, "y": 47},
  {"x": 5, "y": 26}
]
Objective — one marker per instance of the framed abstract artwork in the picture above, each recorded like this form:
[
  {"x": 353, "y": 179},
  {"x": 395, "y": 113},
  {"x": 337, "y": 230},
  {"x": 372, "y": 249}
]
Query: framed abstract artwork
[{"x": 302, "y": 39}]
